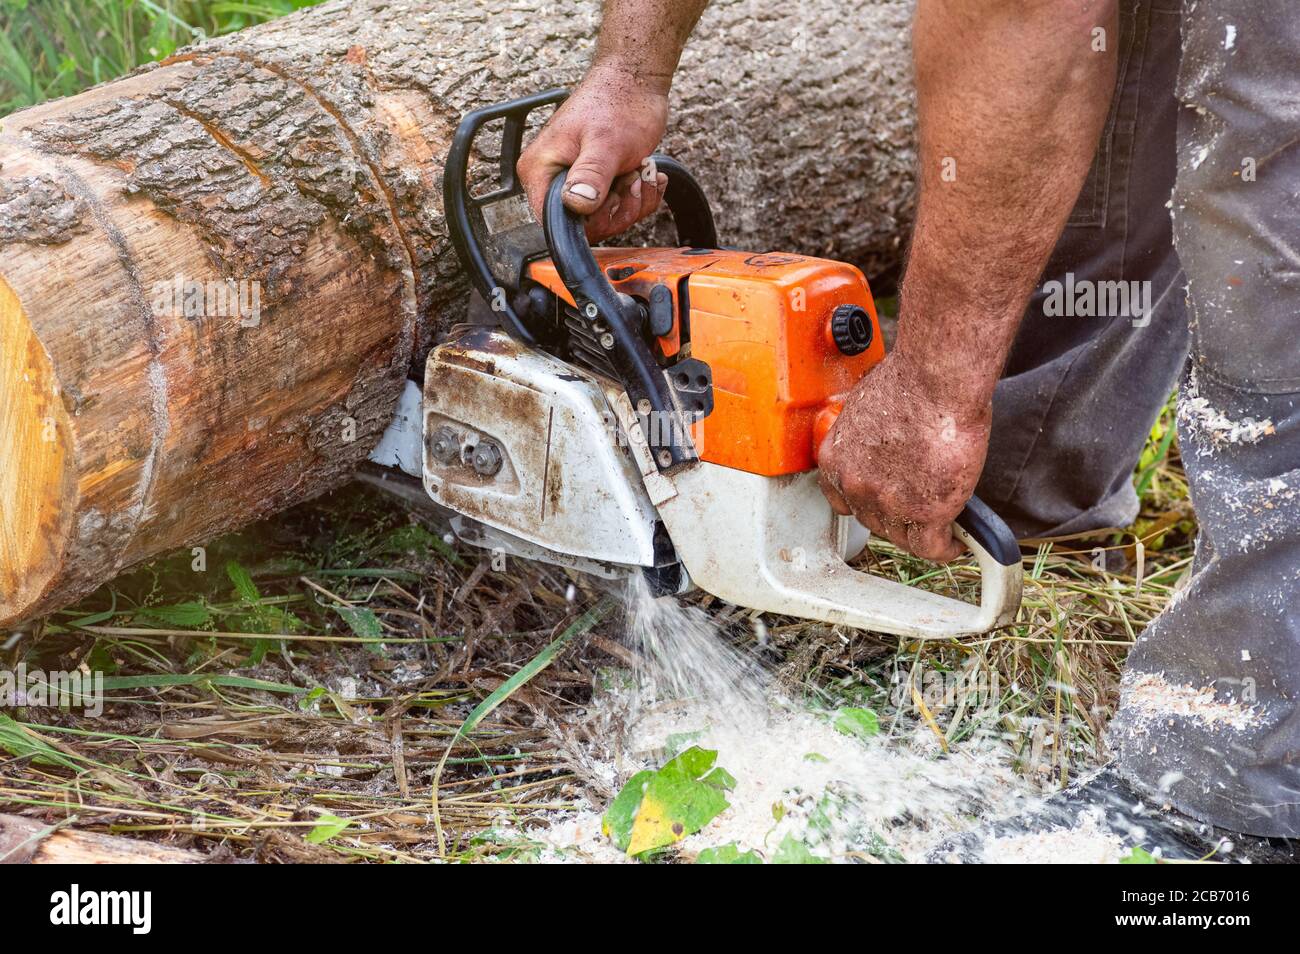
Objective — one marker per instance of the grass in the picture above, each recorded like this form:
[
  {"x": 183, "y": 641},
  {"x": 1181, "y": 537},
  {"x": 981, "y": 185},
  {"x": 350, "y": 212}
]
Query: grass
[
  {"x": 270, "y": 713},
  {"x": 52, "y": 48},
  {"x": 341, "y": 684}
]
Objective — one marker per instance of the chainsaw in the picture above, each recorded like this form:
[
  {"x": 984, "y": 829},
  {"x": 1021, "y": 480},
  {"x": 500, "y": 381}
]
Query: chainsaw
[{"x": 658, "y": 410}]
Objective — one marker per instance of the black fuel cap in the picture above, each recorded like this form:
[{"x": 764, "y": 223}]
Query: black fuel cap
[{"x": 851, "y": 329}]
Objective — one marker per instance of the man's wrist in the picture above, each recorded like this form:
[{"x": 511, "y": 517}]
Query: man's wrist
[
  {"x": 626, "y": 72},
  {"x": 952, "y": 339},
  {"x": 956, "y": 378}
]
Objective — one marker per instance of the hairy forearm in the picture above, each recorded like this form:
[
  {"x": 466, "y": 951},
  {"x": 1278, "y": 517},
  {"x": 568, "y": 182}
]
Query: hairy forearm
[
  {"x": 1011, "y": 98},
  {"x": 645, "y": 38}
]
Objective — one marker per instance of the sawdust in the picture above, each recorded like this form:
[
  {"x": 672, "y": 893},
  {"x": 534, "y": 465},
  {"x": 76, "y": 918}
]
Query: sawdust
[
  {"x": 845, "y": 799},
  {"x": 1150, "y": 696},
  {"x": 1089, "y": 842},
  {"x": 842, "y": 797},
  {"x": 578, "y": 839},
  {"x": 1218, "y": 430},
  {"x": 890, "y": 797}
]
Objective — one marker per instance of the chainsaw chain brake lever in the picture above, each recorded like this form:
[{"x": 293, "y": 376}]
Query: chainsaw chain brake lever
[
  {"x": 649, "y": 387},
  {"x": 493, "y": 234}
]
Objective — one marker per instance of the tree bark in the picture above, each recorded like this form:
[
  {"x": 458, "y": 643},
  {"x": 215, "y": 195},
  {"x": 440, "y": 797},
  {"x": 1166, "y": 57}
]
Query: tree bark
[{"x": 299, "y": 164}]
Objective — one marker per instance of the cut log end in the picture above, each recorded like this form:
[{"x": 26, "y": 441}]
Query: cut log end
[{"x": 35, "y": 479}]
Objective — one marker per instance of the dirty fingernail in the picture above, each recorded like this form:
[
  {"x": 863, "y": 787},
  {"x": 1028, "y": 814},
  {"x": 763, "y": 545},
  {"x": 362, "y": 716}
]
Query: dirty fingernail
[
  {"x": 635, "y": 190},
  {"x": 661, "y": 181},
  {"x": 613, "y": 208},
  {"x": 584, "y": 191}
]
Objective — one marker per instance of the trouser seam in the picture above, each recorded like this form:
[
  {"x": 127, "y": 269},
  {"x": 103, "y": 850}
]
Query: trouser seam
[
  {"x": 1290, "y": 385},
  {"x": 1137, "y": 111}
]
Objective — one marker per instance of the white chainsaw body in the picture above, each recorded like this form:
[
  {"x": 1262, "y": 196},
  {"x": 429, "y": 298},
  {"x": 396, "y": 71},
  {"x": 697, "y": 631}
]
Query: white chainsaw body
[{"x": 547, "y": 461}]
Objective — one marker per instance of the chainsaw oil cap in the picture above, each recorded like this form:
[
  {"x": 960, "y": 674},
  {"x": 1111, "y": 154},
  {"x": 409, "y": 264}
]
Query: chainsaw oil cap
[{"x": 851, "y": 329}]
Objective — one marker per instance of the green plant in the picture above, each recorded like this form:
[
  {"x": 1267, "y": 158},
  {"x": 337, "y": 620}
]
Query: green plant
[{"x": 52, "y": 48}]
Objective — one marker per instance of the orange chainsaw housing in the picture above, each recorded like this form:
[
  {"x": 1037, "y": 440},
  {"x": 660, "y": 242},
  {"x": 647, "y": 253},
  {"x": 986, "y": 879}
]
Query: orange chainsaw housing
[{"x": 762, "y": 322}]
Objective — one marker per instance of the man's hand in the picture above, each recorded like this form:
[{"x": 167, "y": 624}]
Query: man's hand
[
  {"x": 615, "y": 118},
  {"x": 904, "y": 460},
  {"x": 603, "y": 134}
]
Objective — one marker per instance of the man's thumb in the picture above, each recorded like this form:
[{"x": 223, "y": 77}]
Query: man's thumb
[{"x": 589, "y": 180}]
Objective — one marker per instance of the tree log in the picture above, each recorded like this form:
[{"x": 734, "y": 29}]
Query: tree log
[
  {"x": 145, "y": 405},
  {"x": 26, "y": 841}
]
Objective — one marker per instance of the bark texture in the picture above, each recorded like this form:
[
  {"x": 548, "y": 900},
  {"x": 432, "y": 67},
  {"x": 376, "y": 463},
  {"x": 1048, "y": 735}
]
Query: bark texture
[{"x": 304, "y": 158}]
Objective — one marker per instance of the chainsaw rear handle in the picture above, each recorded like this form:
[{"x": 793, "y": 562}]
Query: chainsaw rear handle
[
  {"x": 595, "y": 297},
  {"x": 982, "y": 527}
]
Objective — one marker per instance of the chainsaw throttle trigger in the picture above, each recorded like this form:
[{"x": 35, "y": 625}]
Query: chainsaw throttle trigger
[{"x": 990, "y": 531}]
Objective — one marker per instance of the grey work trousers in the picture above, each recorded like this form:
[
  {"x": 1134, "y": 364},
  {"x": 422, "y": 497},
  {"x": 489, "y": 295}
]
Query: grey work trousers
[{"x": 1195, "y": 189}]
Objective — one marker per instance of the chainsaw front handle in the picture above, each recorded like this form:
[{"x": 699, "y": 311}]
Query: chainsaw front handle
[
  {"x": 493, "y": 234},
  {"x": 775, "y": 545},
  {"x": 618, "y": 316}
]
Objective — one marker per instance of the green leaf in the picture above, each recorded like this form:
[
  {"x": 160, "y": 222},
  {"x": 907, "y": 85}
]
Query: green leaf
[
  {"x": 22, "y": 744},
  {"x": 689, "y": 764},
  {"x": 792, "y": 852},
  {"x": 162, "y": 680},
  {"x": 535, "y": 665},
  {"x": 362, "y": 621},
  {"x": 658, "y": 808},
  {"x": 621, "y": 814},
  {"x": 862, "y": 723},
  {"x": 415, "y": 539},
  {"x": 94, "y": 619},
  {"x": 101, "y": 658},
  {"x": 259, "y": 650},
  {"x": 1138, "y": 856},
  {"x": 720, "y": 778},
  {"x": 727, "y": 855},
  {"x": 180, "y": 615},
  {"x": 329, "y": 826},
  {"x": 243, "y": 582},
  {"x": 679, "y": 741}
]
